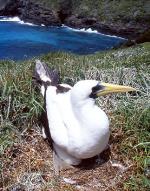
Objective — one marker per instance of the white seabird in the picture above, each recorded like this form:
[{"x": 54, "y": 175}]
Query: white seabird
[{"x": 78, "y": 128}]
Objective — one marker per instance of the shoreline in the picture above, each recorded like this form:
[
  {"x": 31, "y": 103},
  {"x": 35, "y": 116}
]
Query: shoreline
[
  {"x": 39, "y": 14},
  {"x": 116, "y": 31},
  {"x": 140, "y": 38},
  {"x": 86, "y": 30},
  {"x": 130, "y": 33}
]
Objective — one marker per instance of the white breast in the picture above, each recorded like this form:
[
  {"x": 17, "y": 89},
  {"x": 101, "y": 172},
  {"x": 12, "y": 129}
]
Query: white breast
[{"x": 94, "y": 131}]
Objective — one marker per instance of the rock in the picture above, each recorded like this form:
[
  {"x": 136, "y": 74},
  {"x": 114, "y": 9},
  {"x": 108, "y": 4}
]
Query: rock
[
  {"x": 80, "y": 22},
  {"x": 29, "y": 12},
  {"x": 64, "y": 9},
  {"x": 3, "y": 4},
  {"x": 9, "y": 7},
  {"x": 74, "y": 21},
  {"x": 90, "y": 22},
  {"x": 37, "y": 13},
  {"x": 145, "y": 37}
]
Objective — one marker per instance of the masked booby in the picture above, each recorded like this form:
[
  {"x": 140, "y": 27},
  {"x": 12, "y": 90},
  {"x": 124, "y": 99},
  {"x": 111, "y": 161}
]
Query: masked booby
[{"x": 76, "y": 127}]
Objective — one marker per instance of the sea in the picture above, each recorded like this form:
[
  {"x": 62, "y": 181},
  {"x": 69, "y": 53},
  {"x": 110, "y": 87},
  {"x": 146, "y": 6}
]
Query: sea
[{"x": 20, "y": 40}]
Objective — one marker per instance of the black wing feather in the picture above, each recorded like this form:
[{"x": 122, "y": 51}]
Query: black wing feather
[{"x": 52, "y": 79}]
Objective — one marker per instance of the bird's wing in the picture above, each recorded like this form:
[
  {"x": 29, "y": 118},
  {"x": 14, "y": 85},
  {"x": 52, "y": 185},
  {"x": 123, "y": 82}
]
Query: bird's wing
[
  {"x": 51, "y": 118},
  {"x": 60, "y": 124},
  {"x": 57, "y": 126},
  {"x": 45, "y": 78}
]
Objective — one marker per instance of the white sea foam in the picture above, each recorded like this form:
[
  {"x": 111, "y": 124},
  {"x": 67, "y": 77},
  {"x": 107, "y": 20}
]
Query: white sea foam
[
  {"x": 89, "y": 30},
  {"x": 26, "y": 23},
  {"x": 15, "y": 19}
]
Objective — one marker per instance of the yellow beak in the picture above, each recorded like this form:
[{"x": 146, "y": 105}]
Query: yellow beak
[{"x": 112, "y": 88}]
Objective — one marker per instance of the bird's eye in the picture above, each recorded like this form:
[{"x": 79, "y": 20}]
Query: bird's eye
[{"x": 96, "y": 89}]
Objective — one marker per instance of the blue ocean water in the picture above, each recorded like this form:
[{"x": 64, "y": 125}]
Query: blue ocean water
[{"x": 22, "y": 41}]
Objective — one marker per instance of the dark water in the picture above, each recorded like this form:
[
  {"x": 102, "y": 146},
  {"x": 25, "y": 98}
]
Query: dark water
[{"x": 21, "y": 41}]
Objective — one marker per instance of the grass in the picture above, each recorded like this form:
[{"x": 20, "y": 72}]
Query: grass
[{"x": 26, "y": 161}]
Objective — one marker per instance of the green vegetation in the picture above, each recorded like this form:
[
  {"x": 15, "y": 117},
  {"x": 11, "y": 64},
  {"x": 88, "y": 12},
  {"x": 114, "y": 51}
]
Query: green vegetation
[
  {"x": 20, "y": 106},
  {"x": 119, "y": 11}
]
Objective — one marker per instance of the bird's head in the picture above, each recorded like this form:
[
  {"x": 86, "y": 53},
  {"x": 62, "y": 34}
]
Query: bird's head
[{"x": 86, "y": 89}]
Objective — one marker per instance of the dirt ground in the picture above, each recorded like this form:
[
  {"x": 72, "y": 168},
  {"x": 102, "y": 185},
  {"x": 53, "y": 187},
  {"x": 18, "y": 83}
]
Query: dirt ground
[{"x": 28, "y": 166}]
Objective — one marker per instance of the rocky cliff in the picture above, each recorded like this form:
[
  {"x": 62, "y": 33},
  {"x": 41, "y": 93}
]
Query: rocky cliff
[
  {"x": 29, "y": 12},
  {"x": 127, "y": 19}
]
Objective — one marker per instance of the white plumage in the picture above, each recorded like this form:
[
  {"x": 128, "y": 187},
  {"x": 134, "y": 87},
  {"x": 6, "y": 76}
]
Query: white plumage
[{"x": 78, "y": 127}]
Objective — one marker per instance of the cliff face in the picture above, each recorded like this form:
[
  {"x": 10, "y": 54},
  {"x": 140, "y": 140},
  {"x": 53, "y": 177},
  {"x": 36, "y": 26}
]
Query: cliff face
[
  {"x": 39, "y": 14},
  {"x": 9, "y": 7},
  {"x": 124, "y": 18},
  {"x": 3, "y": 3},
  {"x": 29, "y": 12}
]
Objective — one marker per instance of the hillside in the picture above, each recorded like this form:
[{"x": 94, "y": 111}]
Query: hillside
[
  {"x": 105, "y": 10},
  {"x": 26, "y": 159},
  {"x": 129, "y": 19}
]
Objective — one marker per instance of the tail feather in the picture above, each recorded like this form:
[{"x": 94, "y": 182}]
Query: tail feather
[{"x": 43, "y": 74}]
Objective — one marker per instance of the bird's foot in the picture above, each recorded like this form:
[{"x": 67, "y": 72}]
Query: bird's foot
[
  {"x": 99, "y": 160},
  {"x": 59, "y": 164}
]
